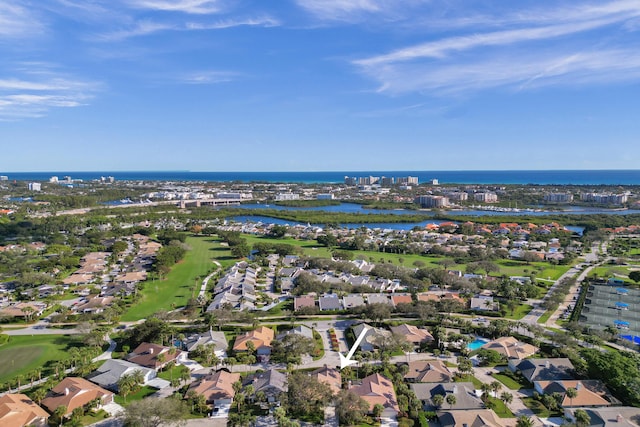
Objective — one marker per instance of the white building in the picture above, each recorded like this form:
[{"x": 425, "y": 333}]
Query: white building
[{"x": 35, "y": 186}]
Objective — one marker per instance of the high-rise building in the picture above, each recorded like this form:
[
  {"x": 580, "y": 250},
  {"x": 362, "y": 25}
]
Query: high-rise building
[
  {"x": 432, "y": 201},
  {"x": 35, "y": 186}
]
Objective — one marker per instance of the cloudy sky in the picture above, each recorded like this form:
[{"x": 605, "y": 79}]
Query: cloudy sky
[{"x": 313, "y": 85}]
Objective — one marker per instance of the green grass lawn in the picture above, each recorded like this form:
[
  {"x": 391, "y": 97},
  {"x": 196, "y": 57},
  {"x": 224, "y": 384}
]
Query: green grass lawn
[
  {"x": 22, "y": 354},
  {"x": 536, "y": 406},
  {"x": 500, "y": 408},
  {"x": 180, "y": 283},
  {"x": 139, "y": 395},
  {"x": 469, "y": 379},
  {"x": 519, "y": 312},
  {"x": 510, "y": 383},
  {"x": 547, "y": 314}
]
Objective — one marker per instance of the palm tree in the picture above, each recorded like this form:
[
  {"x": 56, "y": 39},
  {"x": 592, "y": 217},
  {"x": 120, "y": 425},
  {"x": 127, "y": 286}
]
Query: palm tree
[
  {"x": 571, "y": 393},
  {"x": 506, "y": 397},
  {"x": 524, "y": 421},
  {"x": 451, "y": 400},
  {"x": 39, "y": 394},
  {"x": 437, "y": 400},
  {"x": 60, "y": 412},
  {"x": 582, "y": 418}
]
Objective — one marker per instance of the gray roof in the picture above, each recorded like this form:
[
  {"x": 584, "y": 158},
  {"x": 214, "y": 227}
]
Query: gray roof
[
  {"x": 112, "y": 370},
  {"x": 329, "y": 303},
  {"x": 464, "y": 393},
  {"x": 618, "y": 416},
  {"x": 546, "y": 369},
  {"x": 270, "y": 380},
  {"x": 215, "y": 338},
  {"x": 377, "y": 298},
  {"x": 353, "y": 301}
]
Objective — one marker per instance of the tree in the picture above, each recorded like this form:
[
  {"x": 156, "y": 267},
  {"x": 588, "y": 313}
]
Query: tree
[
  {"x": 582, "y": 418},
  {"x": 377, "y": 311},
  {"x": 60, "y": 413},
  {"x": 437, "y": 400},
  {"x": 152, "y": 412},
  {"x": 350, "y": 407},
  {"x": 506, "y": 397},
  {"x": 39, "y": 394},
  {"x": 378, "y": 409},
  {"x": 291, "y": 348},
  {"x": 635, "y": 276},
  {"x": 571, "y": 393},
  {"x": 451, "y": 400},
  {"x": 306, "y": 395},
  {"x": 524, "y": 421}
]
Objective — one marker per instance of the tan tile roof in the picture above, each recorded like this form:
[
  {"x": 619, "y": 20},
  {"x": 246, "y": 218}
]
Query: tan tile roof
[
  {"x": 412, "y": 333},
  {"x": 218, "y": 385},
  {"x": 376, "y": 389},
  {"x": 17, "y": 410},
  {"x": 260, "y": 337},
  {"x": 146, "y": 354},
  {"x": 329, "y": 376},
  {"x": 74, "y": 392},
  {"x": 511, "y": 348},
  {"x": 428, "y": 371}
]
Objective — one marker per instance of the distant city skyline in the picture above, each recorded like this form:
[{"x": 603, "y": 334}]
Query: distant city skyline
[{"x": 319, "y": 85}]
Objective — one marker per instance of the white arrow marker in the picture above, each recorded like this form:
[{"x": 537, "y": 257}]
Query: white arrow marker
[{"x": 346, "y": 361}]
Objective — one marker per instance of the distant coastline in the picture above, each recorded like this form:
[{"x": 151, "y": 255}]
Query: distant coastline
[{"x": 523, "y": 177}]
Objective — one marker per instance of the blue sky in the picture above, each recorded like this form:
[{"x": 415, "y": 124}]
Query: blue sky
[{"x": 313, "y": 85}]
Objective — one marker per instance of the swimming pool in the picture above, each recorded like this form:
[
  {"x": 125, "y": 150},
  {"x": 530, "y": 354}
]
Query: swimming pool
[{"x": 477, "y": 343}]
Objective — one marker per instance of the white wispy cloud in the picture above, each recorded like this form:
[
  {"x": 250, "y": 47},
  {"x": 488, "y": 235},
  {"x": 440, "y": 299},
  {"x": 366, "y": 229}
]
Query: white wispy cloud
[
  {"x": 229, "y": 23},
  {"x": 140, "y": 28},
  {"x": 209, "y": 77},
  {"x": 519, "y": 72},
  {"x": 148, "y": 27},
  {"x": 37, "y": 91},
  {"x": 196, "y": 7},
  {"x": 552, "y": 48},
  {"x": 354, "y": 10},
  {"x": 18, "y": 21}
]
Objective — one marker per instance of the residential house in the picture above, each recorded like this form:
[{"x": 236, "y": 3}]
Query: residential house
[
  {"x": 413, "y": 334},
  {"x": 74, "y": 392},
  {"x": 466, "y": 397},
  {"x": 372, "y": 337},
  {"x": 331, "y": 302},
  {"x": 376, "y": 389},
  {"x": 590, "y": 393},
  {"x": 217, "y": 388},
  {"x": 261, "y": 339},
  {"x": 95, "y": 304},
  {"x": 612, "y": 416},
  {"x": 155, "y": 356},
  {"x": 17, "y": 410},
  {"x": 511, "y": 348},
  {"x": 401, "y": 299},
  {"x": 543, "y": 369},
  {"x": 272, "y": 383},
  {"x": 351, "y": 301},
  {"x": 470, "y": 418},
  {"x": 24, "y": 310},
  {"x": 110, "y": 372},
  {"x": 482, "y": 303},
  {"x": 303, "y": 301},
  {"x": 378, "y": 299},
  {"x": 215, "y": 338},
  {"x": 329, "y": 376},
  {"x": 428, "y": 371}
]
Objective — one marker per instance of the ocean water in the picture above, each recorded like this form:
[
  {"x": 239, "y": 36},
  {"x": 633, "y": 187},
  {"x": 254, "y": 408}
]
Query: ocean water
[{"x": 540, "y": 177}]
